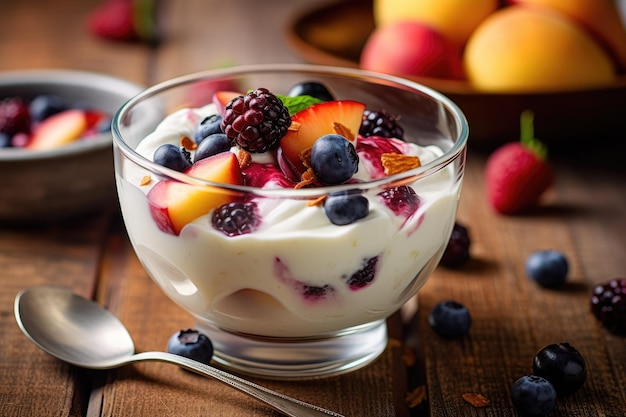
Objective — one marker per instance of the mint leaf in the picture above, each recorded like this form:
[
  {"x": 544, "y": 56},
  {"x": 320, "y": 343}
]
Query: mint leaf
[{"x": 298, "y": 103}]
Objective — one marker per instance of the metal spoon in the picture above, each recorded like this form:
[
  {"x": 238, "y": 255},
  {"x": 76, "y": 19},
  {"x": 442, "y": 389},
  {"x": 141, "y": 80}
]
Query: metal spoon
[{"x": 85, "y": 334}]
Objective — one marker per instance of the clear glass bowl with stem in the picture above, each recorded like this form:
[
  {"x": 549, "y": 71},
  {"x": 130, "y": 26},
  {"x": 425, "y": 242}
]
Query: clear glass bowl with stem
[{"x": 298, "y": 296}]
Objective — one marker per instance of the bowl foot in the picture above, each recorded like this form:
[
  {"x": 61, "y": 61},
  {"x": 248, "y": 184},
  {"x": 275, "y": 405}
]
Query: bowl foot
[{"x": 298, "y": 358}]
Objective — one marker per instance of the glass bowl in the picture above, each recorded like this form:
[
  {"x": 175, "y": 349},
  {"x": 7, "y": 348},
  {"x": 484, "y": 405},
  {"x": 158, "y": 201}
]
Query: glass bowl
[{"x": 296, "y": 296}]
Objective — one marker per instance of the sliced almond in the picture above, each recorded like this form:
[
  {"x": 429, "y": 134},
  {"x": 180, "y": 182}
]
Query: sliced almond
[
  {"x": 145, "y": 180},
  {"x": 344, "y": 131},
  {"x": 187, "y": 143},
  {"x": 244, "y": 158},
  {"x": 395, "y": 163},
  {"x": 476, "y": 399},
  {"x": 416, "y": 397}
]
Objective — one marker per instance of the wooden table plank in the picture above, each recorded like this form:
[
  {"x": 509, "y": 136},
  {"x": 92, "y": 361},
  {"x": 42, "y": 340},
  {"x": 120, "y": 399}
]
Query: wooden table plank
[{"x": 513, "y": 316}]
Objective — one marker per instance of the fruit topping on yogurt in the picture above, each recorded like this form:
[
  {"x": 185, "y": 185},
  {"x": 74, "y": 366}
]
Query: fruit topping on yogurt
[{"x": 261, "y": 139}]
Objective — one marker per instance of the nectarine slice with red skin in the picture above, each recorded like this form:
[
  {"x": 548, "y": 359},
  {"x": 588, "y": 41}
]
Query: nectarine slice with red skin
[
  {"x": 316, "y": 121},
  {"x": 222, "y": 98},
  {"x": 174, "y": 204},
  {"x": 59, "y": 130}
]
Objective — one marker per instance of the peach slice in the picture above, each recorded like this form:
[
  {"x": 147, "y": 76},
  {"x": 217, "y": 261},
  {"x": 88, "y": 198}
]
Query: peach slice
[
  {"x": 223, "y": 97},
  {"x": 174, "y": 204},
  {"x": 339, "y": 116},
  {"x": 58, "y": 130}
]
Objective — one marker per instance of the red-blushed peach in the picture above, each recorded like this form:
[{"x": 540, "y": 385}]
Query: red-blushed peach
[
  {"x": 174, "y": 204},
  {"x": 522, "y": 49},
  {"x": 58, "y": 130},
  {"x": 411, "y": 48},
  {"x": 341, "y": 116},
  {"x": 454, "y": 19}
]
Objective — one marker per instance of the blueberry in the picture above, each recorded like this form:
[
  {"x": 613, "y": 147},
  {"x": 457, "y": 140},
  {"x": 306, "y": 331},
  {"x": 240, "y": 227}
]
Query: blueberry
[
  {"x": 173, "y": 157},
  {"x": 44, "y": 106},
  {"x": 533, "y": 395},
  {"x": 457, "y": 253},
  {"x": 450, "y": 319},
  {"x": 548, "y": 268},
  {"x": 191, "y": 344},
  {"x": 344, "y": 207},
  {"x": 563, "y": 366},
  {"x": 333, "y": 159},
  {"x": 313, "y": 89},
  {"x": 208, "y": 126},
  {"x": 5, "y": 140},
  {"x": 211, "y": 145}
]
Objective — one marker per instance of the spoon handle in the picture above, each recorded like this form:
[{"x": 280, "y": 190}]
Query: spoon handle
[{"x": 283, "y": 403}]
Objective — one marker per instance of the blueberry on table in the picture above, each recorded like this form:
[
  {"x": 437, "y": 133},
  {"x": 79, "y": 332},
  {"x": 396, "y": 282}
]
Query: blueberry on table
[
  {"x": 548, "y": 268},
  {"x": 211, "y": 145},
  {"x": 313, "y": 89},
  {"x": 173, "y": 157},
  {"x": 450, "y": 319},
  {"x": 191, "y": 344},
  {"x": 333, "y": 159},
  {"x": 457, "y": 251},
  {"x": 563, "y": 366},
  {"x": 343, "y": 208},
  {"x": 533, "y": 396}
]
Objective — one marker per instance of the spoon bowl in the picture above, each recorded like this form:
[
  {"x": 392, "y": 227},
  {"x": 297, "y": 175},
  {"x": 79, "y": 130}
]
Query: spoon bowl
[{"x": 83, "y": 333}]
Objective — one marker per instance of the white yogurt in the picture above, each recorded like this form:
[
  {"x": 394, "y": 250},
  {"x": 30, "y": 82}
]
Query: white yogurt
[{"x": 289, "y": 277}]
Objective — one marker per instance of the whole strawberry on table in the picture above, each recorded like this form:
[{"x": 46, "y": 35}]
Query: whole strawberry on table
[{"x": 517, "y": 174}]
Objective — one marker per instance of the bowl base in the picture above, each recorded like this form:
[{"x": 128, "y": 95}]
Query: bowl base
[{"x": 298, "y": 358}]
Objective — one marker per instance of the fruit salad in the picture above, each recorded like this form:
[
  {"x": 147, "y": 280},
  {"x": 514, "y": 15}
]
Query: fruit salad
[
  {"x": 305, "y": 233},
  {"x": 47, "y": 122}
]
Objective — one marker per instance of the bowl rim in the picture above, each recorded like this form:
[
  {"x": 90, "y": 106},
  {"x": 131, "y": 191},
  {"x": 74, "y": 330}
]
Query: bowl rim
[
  {"x": 402, "y": 178},
  {"x": 87, "y": 79}
]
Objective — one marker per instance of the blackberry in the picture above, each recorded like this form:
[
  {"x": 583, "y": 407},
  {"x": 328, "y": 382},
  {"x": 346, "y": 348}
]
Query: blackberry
[
  {"x": 457, "y": 251},
  {"x": 14, "y": 116},
  {"x": 191, "y": 344},
  {"x": 402, "y": 200},
  {"x": 363, "y": 276},
  {"x": 380, "y": 123},
  {"x": 314, "y": 292},
  {"x": 256, "y": 121},
  {"x": 236, "y": 218},
  {"x": 608, "y": 305}
]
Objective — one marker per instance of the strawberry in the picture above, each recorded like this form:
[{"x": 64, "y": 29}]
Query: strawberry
[
  {"x": 124, "y": 20},
  {"x": 517, "y": 174},
  {"x": 113, "y": 20}
]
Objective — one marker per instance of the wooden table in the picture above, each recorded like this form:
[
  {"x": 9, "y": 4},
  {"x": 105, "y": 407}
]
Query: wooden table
[{"x": 584, "y": 216}]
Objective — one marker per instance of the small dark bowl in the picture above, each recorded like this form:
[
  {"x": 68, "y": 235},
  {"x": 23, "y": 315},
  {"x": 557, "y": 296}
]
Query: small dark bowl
[{"x": 70, "y": 180}]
